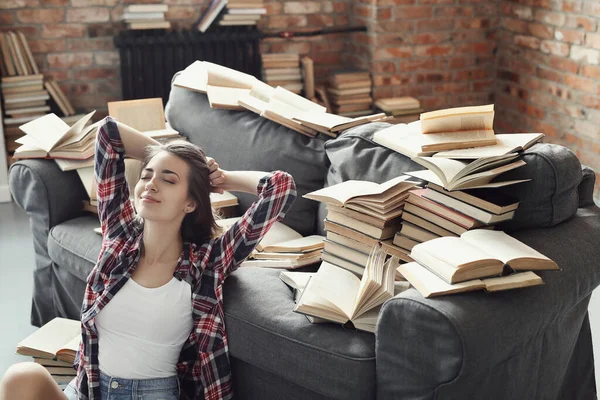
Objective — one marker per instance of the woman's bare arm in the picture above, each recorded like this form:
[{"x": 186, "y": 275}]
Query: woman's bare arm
[{"x": 134, "y": 141}]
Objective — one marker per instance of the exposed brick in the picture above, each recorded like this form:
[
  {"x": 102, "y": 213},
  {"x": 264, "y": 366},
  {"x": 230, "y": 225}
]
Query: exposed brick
[
  {"x": 518, "y": 11},
  {"x": 54, "y": 3},
  {"x": 527, "y": 41},
  {"x": 58, "y": 74},
  {"x": 589, "y": 129},
  {"x": 107, "y": 58},
  {"x": 464, "y": 11},
  {"x": 551, "y": 17},
  {"x": 515, "y": 25},
  {"x": 430, "y": 38},
  {"x": 417, "y": 91},
  {"x": 591, "y": 8},
  {"x": 47, "y": 45},
  {"x": 380, "y": 92},
  {"x": 287, "y": 21},
  {"x": 365, "y": 11},
  {"x": 414, "y": 12},
  {"x": 452, "y": 87},
  {"x": 587, "y": 100},
  {"x": 475, "y": 48},
  {"x": 556, "y": 48},
  {"x": 579, "y": 83},
  {"x": 434, "y": 77},
  {"x": 179, "y": 12},
  {"x": 531, "y": 110},
  {"x": 579, "y": 53},
  {"x": 551, "y": 75},
  {"x": 434, "y": 25},
  {"x": 574, "y": 110},
  {"x": 591, "y": 71},
  {"x": 79, "y": 88},
  {"x": 435, "y": 50},
  {"x": 69, "y": 60},
  {"x": 484, "y": 85},
  {"x": 384, "y": 13},
  {"x": 564, "y": 64},
  {"x": 91, "y": 44},
  {"x": 578, "y": 22},
  {"x": 386, "y": 39},
  {"x": 41, "y": 16},
  {"x": 324, "y": 46},
  {"x": 104, "y": 29},
  {"x": 91, "y": 3},
  {"x": 540, "y": 30},
  {"x": 508, "y": 76},
  {"x": 573, "y": 6},
  {"x": 88, "y": 14},
  {"x": 291, "y": 47},
  {"x": 392, "y": 52},
  {"x": 6, "y": 18},
  {"x": 593, "y": 40},
  {"x": 63, "y": 30},
  {"x": 95, "y": 73},
  {"x": 320, "y": 20},
  {"x": 339, "y": 6},
  {"x": 569, "y": 36},
  {"x": 473, "y": 23},
  {"x": 398, "y": 79},
  {"x": 384, "y": 67},
  {"x": 301, "y": 7},
  {"x": 417, "y": 64},
  {"x": 470, "y": 75},
  {"x": 8, "y": 4}
]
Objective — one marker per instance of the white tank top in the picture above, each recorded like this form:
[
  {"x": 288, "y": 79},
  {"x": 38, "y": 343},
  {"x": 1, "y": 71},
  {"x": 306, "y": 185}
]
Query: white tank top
[{"x": 141, "y": 330}]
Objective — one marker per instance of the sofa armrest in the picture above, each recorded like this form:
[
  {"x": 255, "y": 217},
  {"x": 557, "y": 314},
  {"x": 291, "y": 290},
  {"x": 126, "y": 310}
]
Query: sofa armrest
[
  {"x": 48, "y": 195},
  {"x": 513, "y": 344},
  {"x": 586, "y": 187}
]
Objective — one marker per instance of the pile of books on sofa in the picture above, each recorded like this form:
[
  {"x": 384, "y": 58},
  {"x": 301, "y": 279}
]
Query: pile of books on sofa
[{"x": 229, "y": 89}]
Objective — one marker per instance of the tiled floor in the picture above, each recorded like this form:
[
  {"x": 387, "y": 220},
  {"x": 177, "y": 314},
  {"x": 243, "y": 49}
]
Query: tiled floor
[{"x": 16, "y": 269}]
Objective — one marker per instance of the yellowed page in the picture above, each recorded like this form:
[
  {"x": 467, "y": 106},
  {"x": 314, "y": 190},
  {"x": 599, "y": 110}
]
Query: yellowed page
[
  {"x": 194, "y": 77},
  {"x": 429, "y": 285},
  {"x": 225, "y": 97},
  {"x": 262, "y": 91},
  {"x": 344, "y": 191},
  {"x": 444, "y": 168},
  {"x": 458, "y": 111},
  {"x": 324, "y": 119},
  {"x": 252, "y": 103},
  {"x": 87, "y": 178},
  {"x": 297, "y": 280},
  {"x": 142, "y": 114},
  {"x": 217, "y": 75},
  {"x": 53, "y": 336},
  {"x": 47, "y": 131},
  {"x": 500, "y": 245},
  {"x": 505, "y": 143},
  {"x": 311, "y": 242},
  {"x": 296, "y": 101},
  {"x": 514, "y": 281},
  {"x": 338, "y": 286},
  {"x": 452, "y": 250}
]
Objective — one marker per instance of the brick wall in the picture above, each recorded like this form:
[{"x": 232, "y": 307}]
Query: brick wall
[{"x": 548, "y": 73}]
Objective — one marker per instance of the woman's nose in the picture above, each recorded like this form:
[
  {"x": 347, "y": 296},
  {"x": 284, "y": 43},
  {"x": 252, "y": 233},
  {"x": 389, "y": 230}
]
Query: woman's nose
[{"x": 150, "y": 185}]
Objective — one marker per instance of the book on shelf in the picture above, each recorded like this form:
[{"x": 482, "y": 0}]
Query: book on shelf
[
  {"x": 459, "y": 119},
  {"x": 480, "y": 215},
  {"x": 485, "y": 199},
  {"x": 340, "y": 296},
  {"x": 210, "y": 14},
  {"x": 50, "y": 136},
  {"x": 59, "y": 97},
  {"x": 478, "y": 253},
  {"x": 393, "y": 104},
  {"x": 130, "y": 16},
  {"x": 408, "y": 139},
  {"x": 59, "y": 339},
  {"x": 142, "y": 25},
  {"x": 430, "y": 285},
  {"x": 146, "y": 8},
  {"x": 506, "y": 143}
]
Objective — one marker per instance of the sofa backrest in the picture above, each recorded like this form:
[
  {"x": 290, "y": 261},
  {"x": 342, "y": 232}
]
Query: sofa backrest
[{"x": 241, "y": 140}]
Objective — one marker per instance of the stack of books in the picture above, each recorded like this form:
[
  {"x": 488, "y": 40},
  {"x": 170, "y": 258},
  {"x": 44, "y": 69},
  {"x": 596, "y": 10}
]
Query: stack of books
[
  {"x": 281, "y": 247},
  {"x": 146, "y": 16},
  {"x": 360, "y": 215},
  {"x": 282, "y": 69},
  {"x": 403, "y": 109},
  {"x": 349, "y": 93},
  {"x": 478, "y": 259},
  {"x": 54, "y": 346},
  {"x": 242, "y": 12},
  {"x": 229, "y": 89}
]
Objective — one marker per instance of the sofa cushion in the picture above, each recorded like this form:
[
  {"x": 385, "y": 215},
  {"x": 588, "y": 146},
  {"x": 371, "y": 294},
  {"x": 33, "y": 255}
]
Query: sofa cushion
[
  {"x": 552, "y": 195},
  {"x": 265, "y": 332},
  {"x": 354, "y": 155},
  {"x": 75, "y": 246},
  {"x": 241, "y": 140}
]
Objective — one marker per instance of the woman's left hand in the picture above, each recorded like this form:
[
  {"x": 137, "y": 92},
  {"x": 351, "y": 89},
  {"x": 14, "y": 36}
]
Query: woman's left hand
[{"x": 216, "y": 175}]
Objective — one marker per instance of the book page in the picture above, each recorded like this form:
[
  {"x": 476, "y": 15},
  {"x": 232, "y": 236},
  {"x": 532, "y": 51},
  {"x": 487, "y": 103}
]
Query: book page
[
  {"x": 296, "y": 280},
  {"x": 453, "y": 251},
  {"x": 444, "y": 168},
  {"x": 403, "y": 138},
  {"x": 324, "y": 119},
  {"x": 459, "y": 123},
  {"x": 430, "y": 285},
  {"x": 252, "y": 103},
  {"x": 338, "y": 286},
  {"x": 217, "y": 75},
  {"x": 514, "y": 281},
  {"x": 78, "y": 131},
  {"x": 47, "y": 131},
  {"x": 194, "y": 77},
  {"x": 143, "y": 115},
  {"x": 500, "y": 245},
  {"x": 505, "y": 144},
  {"x": 308, "y": 243},
  {"x": 53, "y": 336},
  {"x": 458, "y": 111},
  {"x": 342, "y": 192},
  {"x": 296, "y": 101},
  {"x": 262, "y": 91},
  {"x": 225, "y": 97}
]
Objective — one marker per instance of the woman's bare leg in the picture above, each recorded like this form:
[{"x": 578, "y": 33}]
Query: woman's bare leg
[{"x": 29, "y": 381}]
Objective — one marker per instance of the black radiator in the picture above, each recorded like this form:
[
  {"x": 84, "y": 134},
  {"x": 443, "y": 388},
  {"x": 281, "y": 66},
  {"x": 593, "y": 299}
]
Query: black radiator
[{"x": 149, "y": 59}]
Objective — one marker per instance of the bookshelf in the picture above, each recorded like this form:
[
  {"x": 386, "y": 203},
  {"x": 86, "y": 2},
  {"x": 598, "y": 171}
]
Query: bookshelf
[{"x": 4, "y": 192}]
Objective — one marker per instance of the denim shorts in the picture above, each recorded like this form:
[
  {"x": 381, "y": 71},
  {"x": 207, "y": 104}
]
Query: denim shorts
[{"x": 132, "y": 389}]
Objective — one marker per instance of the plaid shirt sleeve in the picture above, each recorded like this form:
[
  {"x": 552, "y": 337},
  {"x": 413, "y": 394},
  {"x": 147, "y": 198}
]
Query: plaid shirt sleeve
[
  {"x": 114, "y": 208},
  {"x": 276, "y": 194}
]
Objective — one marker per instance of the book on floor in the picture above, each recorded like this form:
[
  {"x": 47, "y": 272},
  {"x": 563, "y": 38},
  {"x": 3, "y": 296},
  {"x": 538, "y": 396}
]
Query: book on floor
[
  {"x": 340, "y": 296},
  {"x": 476, "y": 254},
  {"x": 459, "y": 119},
  {"x": 59, "y": 339},
  {"x": 50, "y": 136},
  {"x": 430, "y": 285}
]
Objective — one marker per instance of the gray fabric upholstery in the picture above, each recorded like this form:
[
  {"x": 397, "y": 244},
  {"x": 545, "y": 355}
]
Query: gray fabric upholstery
[
  {"x": 240, "y": 140},
  {"x": 263, "y": 330},
  {"x": 50, "y": 197},
  {"x": 586, "y": 187},
  {"x": 552, "y": 196},
  {"x": 515, "y": 344}
]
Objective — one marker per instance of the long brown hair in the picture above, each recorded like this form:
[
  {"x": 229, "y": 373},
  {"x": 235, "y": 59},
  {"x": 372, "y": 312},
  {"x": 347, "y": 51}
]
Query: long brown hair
[{"x": 199, "y": 225}]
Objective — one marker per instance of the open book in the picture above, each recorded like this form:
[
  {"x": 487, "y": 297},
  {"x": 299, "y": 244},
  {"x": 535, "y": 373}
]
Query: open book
[
  {"x": 506, "y": 143},
  {"x": 50, "y": 136},
  {"x": 408, "y": 139},
  {"x": 457, "y": 175},
  {"x": 459, "y": 119},
  {"x": 340, "y": 296},
  {"x": 430, "y": 285},
  {"x": 58, "y": 339},
  {"x": 362, "y": 192},
  {"x": 199, "y": 74},
  {"x": 478, "y": 253},
  {"x": 332, "y": 124}
]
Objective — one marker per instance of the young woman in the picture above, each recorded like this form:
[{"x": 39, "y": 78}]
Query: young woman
[{"x": 152, "y": 317}]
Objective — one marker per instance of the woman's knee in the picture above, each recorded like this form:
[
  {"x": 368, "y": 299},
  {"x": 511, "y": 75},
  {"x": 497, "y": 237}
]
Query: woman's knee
[{"x": 23, "y": 380}]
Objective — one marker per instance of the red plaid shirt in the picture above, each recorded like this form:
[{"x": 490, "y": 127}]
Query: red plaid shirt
[{"x": 203, "y": 369}]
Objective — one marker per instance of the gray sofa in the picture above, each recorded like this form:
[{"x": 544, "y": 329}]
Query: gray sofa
[{"x": 526, "y": 344}]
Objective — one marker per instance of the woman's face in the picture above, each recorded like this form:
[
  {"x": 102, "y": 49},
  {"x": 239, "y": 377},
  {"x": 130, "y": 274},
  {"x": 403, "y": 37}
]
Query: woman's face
[{"x": 161, "y": 194}]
